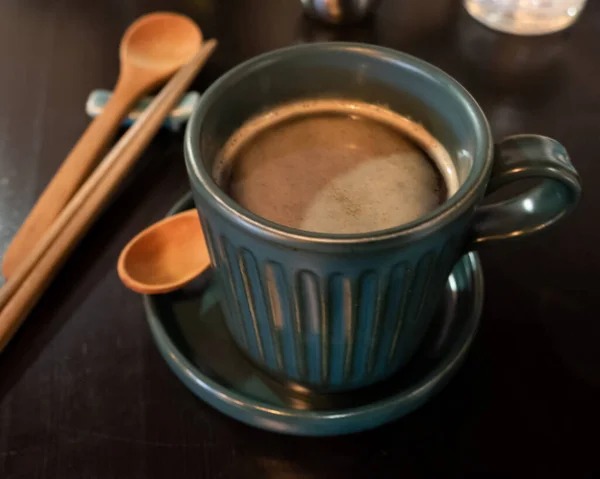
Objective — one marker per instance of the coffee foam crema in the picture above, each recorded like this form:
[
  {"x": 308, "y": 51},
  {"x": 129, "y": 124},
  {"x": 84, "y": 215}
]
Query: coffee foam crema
[{"x": 335, "y": 166}]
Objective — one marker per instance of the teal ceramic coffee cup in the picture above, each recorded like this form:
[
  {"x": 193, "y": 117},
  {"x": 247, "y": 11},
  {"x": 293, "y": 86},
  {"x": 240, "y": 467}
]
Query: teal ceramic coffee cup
[{"x": 336, "y": 312}]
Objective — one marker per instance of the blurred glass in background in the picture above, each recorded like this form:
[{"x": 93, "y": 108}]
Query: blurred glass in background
[{"x": 526, "y": 17}]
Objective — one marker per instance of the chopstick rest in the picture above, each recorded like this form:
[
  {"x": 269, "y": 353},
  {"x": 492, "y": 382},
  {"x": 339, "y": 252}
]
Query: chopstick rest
[{"x": 178, "y": 116}]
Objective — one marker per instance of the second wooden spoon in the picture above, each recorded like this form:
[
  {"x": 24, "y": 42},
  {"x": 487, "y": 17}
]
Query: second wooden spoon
[{"x": 165, "y": 256}]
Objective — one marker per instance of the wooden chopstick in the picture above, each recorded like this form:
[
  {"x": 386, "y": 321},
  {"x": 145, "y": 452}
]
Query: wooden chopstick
[{"x": 34, "y": 273}]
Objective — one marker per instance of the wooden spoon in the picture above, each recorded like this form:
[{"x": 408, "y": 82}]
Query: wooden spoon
[
  {"x": 152, "y": 49},
  {"x": 165, "y": 256}
]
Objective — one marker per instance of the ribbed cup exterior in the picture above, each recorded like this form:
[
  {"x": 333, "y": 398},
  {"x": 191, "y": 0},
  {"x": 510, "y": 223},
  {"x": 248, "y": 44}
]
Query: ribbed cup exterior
[
  {"x": 334, "y": 313},
  {"x": 328, "y": 320}
]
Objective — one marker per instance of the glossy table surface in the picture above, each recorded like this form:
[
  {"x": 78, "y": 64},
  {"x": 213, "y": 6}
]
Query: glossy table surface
[{"x": 85, "y": 394}]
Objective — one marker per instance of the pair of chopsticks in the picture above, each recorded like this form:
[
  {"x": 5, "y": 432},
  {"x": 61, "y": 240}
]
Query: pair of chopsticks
[{"x": 35, "y": 272}]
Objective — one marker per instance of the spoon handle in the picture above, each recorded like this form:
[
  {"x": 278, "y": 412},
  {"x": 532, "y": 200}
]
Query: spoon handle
[
  {"x": 35, "y": 272},
  {"x": 71, "y": 174}
]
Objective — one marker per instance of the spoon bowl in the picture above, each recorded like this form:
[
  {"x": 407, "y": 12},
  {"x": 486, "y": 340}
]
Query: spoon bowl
[
  {"x": 165, "y": 256},
  {"x": 159, "y": 43}
]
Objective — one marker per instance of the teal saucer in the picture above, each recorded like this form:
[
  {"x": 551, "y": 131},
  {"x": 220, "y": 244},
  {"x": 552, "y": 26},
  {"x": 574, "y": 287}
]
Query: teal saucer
[{"x": 190, "y": 333}]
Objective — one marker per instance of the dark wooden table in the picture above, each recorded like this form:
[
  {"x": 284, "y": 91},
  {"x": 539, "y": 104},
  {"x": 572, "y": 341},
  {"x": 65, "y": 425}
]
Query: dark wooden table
[{"x": 85, "y": 394}]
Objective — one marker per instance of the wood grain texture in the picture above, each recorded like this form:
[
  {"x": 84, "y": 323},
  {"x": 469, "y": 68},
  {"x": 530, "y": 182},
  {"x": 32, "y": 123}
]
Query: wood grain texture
[{"x": 84, "y": 393}]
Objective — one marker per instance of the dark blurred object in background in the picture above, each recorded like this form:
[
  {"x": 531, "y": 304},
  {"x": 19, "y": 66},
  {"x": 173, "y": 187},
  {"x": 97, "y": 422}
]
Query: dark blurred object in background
[{"x": 339, "y": 11}]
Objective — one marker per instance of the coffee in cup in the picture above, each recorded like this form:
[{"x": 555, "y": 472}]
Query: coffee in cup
[{"x": 335, "y": 166}]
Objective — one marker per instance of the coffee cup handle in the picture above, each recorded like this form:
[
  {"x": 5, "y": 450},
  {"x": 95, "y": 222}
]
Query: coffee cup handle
[{"x": 521, "y": 157}]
